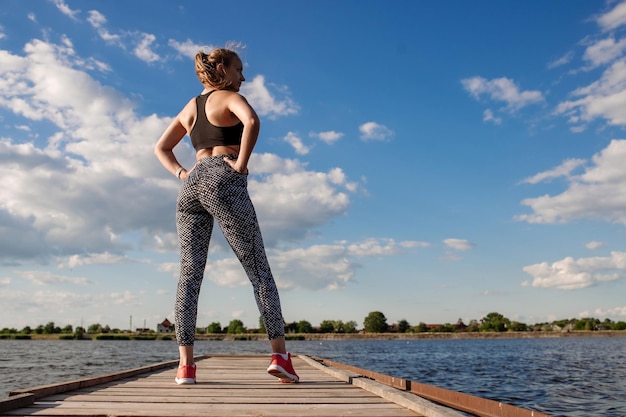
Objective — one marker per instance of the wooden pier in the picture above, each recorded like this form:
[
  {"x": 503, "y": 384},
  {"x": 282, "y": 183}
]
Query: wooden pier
[{"x": 238, "y": 386}]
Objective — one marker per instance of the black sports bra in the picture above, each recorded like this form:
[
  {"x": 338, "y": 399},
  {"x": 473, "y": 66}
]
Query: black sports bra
[{"x": 206, "y": 135}]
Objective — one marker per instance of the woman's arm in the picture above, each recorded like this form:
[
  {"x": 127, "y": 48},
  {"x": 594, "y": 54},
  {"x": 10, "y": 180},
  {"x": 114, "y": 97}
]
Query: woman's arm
[
  {"x": 239, "y": 106},
  {"x": 164, "y": 148}
]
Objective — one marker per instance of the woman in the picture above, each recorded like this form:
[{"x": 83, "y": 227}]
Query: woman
[{"x": 223, "y": 129}]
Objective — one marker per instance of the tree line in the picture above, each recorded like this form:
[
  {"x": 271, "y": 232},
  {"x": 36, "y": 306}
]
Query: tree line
[{"x": 374, "y": 322}]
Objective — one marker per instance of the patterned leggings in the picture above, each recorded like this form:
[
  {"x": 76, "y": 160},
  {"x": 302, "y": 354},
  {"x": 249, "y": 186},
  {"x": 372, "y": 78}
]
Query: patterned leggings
[{"x": 215, "y": 190}]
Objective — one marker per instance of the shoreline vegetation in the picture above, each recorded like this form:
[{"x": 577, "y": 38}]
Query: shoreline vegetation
[
  {"x": 329, "y": 336},
  {"x": 375, "y": 327}
]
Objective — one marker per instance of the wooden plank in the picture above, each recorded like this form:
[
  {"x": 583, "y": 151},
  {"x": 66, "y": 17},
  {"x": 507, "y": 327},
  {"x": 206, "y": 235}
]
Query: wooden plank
[
  {"x": 226, "y": 410},
  {"x": 481, "y": 407},
  {"x": 234, "y": 386},
  {"x": 477, "y": 406},
  {"x": 218, "y": 399},
  {"x": 409, "y": 401},
  {"x": 218, "y": 391},
  {"x": 21, "y": 400},
  {"x": 50, "y": 389},
  {"x": 399, "y": 383}
]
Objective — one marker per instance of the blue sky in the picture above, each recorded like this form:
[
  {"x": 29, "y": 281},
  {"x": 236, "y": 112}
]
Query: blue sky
[{"x": 430, "y": 160}]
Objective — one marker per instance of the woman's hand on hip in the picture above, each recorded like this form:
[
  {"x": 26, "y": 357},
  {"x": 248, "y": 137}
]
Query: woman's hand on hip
[{"x": 236, "y": 166}]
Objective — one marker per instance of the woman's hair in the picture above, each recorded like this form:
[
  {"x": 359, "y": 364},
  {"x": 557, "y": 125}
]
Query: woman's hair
[{"x": 206, "y": 67}]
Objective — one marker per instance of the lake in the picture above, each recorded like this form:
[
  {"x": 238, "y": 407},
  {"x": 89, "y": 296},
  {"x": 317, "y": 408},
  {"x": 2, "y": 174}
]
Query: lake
[{"x": 577, "y": 377}]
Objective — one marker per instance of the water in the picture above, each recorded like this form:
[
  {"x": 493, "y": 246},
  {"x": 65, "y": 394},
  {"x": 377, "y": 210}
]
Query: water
[{"x": 573, "y": 377}]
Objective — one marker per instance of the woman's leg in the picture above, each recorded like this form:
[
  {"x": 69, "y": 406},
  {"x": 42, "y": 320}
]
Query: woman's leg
[
  {"x": 194, "y": 226},
  {"x": 186, "y": 355},
  {"x": 236, "y": 216},
  {"x": 232, "y": 208},
  {"x": 278, "y": 345}
]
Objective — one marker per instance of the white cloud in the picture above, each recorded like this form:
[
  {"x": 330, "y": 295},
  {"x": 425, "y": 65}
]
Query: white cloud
[
  {"x": 142, "y": 44},
  {"x": 296, "y": 143},
  {"x": 414, "y": 244},
  {"x": 489, "y": 117},
  {"x": 36, "y": 305},
  {"x": 265, "y": 104},
  {"x": 329, "y": 137},
  {"x": 611, "y": 312},
  {"x": 144, "y": 50},
  {"x": 25, "y": 242},
  {"x": 461, "y": 245},
  {"x": 375, "y": 131},
  {"x": 57, "y": 301},
  {"x": 187, "y": 48},
  {"x": 565, "y": 59},
  {"x": 267, "y": 163},
  {"x": 101, "y": 145},
  {"x": 2, "y": 34},
  {"x": 47, "y": 278},
  {"x": 605, "y": 98},
  {"x": 96, "y": 19},
  {"x": 563, "y": 170},
  {"x": 501, "y": 89},
  {"x": 237, "y": 314},
  {"x": 613, "y": 19},
  {"x": 594, "y": 245},
  {"x": 65, "y": 9},
  {"x": 375, "y": 247},
  {"x": 111, "y": 38},
  {"x": 105, "y": 191},
  {"x": 604, "y": 51},
  {"x": 317, "y": 267},
  {"x": 284, "y": 199},
  {"x": 120, "y": 298},
  {"x": 226, "y": 272},
  {"x": 89, "y": 259},
  {"x": 571, "y": 274},
  {"x": 454, "y": 247},
  {"x": 598, "y": 193},
  {"x": 171, "y": 267}
]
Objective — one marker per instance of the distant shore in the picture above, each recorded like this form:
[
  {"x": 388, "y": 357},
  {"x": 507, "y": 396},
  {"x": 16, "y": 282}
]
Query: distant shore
[
  {"x": 373, "y": 336},
  {"x": 424, "y": 336}
]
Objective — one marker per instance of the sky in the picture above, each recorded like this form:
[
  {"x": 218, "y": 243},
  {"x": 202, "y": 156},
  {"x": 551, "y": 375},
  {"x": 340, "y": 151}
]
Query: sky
[{"x": 433, "y": 161}]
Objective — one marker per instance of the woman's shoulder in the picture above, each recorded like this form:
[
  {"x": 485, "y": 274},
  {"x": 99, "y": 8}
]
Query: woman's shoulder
[
  {"x": 229, "y": 100},
  {"x": 190, "y": 106},
  {"x": 227, "y": 93},
  {"x": 188, "y": 114},
  {"x": 228, "y": 97}
]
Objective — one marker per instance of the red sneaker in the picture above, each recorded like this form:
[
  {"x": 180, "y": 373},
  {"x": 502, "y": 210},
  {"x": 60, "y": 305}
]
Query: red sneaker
[
  {"x": 282, "y": 369},
  {"x": 186, "y": 374}
]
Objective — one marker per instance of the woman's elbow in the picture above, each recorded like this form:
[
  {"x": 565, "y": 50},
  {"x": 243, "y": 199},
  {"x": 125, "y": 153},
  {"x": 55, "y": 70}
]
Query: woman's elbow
[
  {"x": 160, "y": 149},
  {"x": 253, "y": 123}
]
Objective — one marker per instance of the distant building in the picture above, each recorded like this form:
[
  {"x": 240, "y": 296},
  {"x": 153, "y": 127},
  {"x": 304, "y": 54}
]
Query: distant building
[
  {"x": 460, "y": 326},
  {"x": 565, "y": 329},
  {"x": 165, "y": 327}
]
